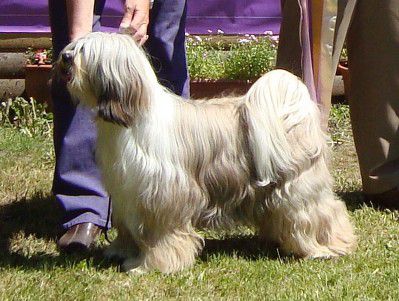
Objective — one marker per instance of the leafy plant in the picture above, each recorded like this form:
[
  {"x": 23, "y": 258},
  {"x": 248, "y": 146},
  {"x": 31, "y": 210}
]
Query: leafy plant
[
  {"x": 205, "y": 57},
  {"x": 250, "y": 58},
  {"x": 39, "y": 56},
  {"x": 29, "y": 117},
  {"x": 344, "y": 54},
  {"x": 245, "y": 58},
  {"x": 339, "y": 124},
  {"x": 212, "y": 57}
]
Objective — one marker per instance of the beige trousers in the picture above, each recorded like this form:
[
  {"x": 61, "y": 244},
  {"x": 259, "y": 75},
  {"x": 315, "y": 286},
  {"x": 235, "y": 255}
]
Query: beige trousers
[{"x": 373, "y": 48}]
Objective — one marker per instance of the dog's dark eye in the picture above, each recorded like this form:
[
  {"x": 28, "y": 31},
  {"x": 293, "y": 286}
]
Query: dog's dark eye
[
  {"x": 67, "y": 57},
  {"x": 65, "y": 65}
]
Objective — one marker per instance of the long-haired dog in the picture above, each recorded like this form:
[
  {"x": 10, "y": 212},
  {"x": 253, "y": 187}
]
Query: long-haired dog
[{"x": 171, "y": 164}]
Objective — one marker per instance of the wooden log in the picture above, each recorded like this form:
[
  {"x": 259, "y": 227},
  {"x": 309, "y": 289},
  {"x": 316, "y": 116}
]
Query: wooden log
[
  {"x": 14, "y": 42},
  {"x": 12, "y": 65},
  {"x": 11, "y": 88}
]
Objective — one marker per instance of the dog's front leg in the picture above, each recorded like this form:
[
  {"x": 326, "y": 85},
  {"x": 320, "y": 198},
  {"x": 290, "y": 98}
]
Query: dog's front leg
[
  {"x": 123, "y": 246},
  {"x": 167, "y": 251}
]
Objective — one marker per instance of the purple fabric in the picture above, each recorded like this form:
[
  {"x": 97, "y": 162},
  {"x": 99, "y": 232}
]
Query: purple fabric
[
  {"x": 24, "y": 16},
  {"x": 306, "y": 37},
  {"x": 232, "y": 17},
  {"x": 77, "y": 182}
]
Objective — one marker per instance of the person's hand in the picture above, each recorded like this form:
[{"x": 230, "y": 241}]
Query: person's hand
[{"x": 135, "y": 19}]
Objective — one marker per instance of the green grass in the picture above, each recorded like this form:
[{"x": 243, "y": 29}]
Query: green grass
[{"x": 232, "y": 266}]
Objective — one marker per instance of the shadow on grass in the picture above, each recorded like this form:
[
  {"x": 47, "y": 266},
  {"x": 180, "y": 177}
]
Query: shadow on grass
[
  {"x": 247, "y": 247},
  {"x": 38, "y": 216},
  {"x": 354, "y": 200},
  {"x": 45, "y": 261}
]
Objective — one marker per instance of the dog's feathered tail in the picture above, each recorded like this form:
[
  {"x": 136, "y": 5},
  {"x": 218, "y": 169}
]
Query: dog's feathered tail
[
  {"x": 289, "y": 151},
  {"x": 280, "y": 103}
]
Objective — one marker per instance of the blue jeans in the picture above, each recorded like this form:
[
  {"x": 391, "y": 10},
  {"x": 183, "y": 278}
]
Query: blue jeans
[{"x": 77, "y": 181}]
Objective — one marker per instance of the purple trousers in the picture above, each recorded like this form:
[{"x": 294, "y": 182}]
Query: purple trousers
[{"x": 77, "y": 181}]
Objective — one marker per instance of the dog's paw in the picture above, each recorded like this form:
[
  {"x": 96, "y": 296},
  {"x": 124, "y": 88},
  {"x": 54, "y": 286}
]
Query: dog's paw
[
  {"x": 121, "y": 250},
  {"x": 323, "y": 255},
  {"x": 115, "y": 252},
  {"x": 134, "y": 266},
  {"x": 137, "y": 271}
]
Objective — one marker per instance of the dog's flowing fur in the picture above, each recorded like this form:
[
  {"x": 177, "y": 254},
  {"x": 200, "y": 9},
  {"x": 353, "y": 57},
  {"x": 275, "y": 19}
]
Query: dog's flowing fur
[{"x": 171, "y": 165}]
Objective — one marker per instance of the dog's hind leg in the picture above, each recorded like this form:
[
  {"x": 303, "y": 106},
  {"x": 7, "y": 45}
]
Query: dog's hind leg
[
  {"x": 289, "y": 149},
  {"x": 168, "y": 252},
  {"x": 306, "y": 219}
]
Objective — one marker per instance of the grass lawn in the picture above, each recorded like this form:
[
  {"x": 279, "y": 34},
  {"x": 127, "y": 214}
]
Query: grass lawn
[{"x": 232, "y": 266}]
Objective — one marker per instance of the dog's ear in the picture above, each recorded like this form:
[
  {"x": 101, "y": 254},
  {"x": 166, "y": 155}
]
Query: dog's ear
[
  {"x": 114, "y": 110},
  {"x": 121, "y": 100},
  {"x": 118, "y": 75}
]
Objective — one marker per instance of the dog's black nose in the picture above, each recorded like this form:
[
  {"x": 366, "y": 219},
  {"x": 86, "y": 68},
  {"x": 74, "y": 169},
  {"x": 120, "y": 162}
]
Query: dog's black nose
[{"x": 67, "y": 57}]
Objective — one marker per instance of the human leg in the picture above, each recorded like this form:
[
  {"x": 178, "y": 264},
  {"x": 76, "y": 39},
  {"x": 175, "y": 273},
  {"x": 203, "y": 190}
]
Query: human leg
[
  {"x": 77, "y": 184},
  {"x": 373, "y": 41},
  {"x": 289, "y": 54},
  {"x": 166, "y": 44}
]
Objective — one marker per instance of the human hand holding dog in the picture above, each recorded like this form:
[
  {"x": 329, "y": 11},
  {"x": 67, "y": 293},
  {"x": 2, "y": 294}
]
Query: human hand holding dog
[{"x": 135, "y": 19}]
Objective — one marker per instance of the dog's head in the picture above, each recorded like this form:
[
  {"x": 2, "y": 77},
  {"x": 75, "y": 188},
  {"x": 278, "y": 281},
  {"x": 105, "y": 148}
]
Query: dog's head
[{"x": 108, "y": 72}]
